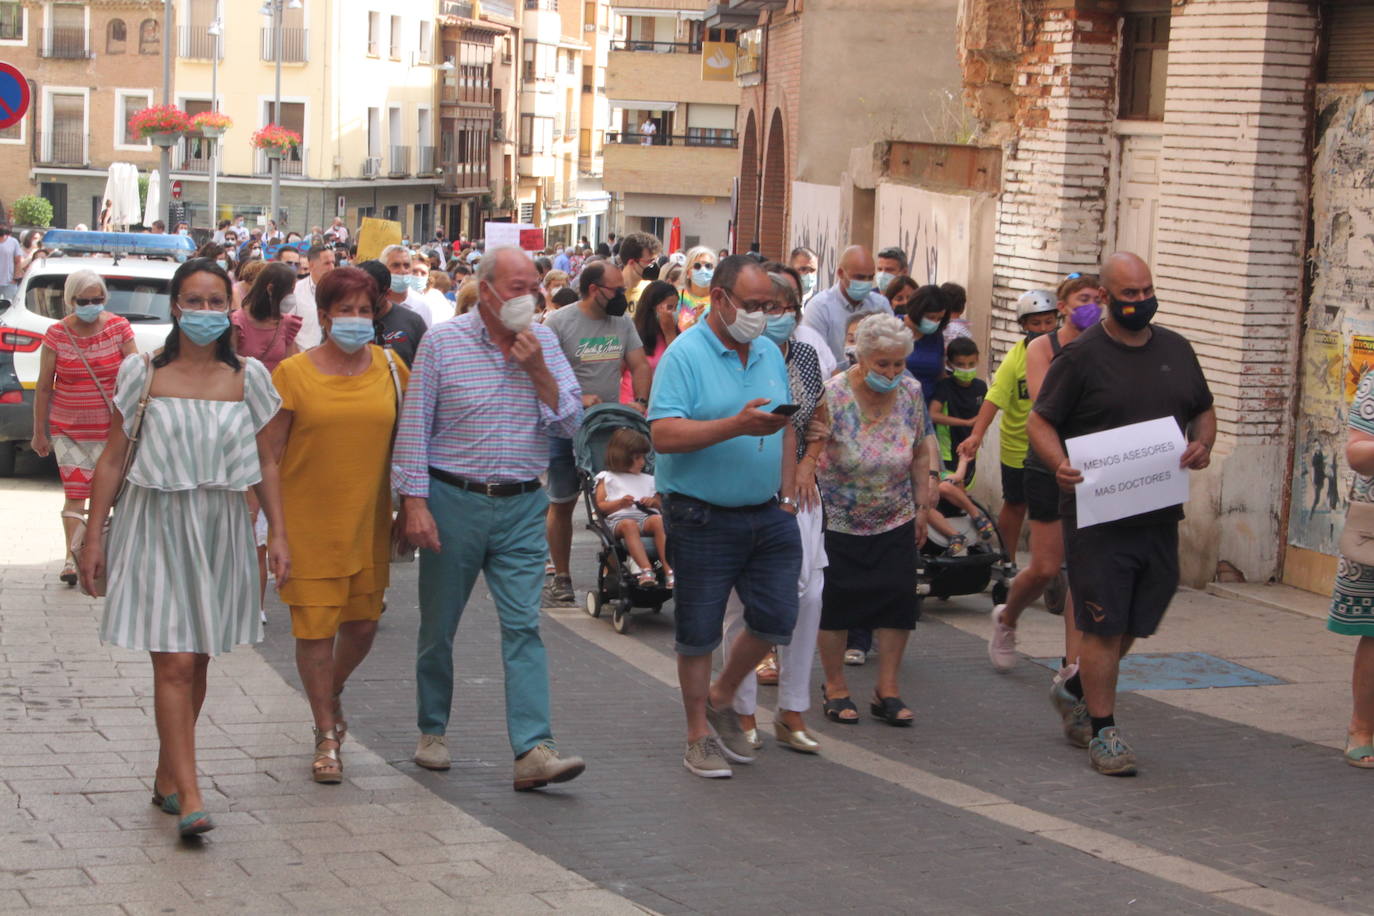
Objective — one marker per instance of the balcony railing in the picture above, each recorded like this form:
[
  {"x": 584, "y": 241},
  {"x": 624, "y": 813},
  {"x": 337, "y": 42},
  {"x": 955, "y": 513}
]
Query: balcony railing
[
  {"x": 65, "y": 43},
  {"x": 638, "y": 139},
  {"x": 194, "y": 42},
  {"x": 465, "y": 176},
  {"x": 193, "y": 155},
  {"x": 424, "y": 164},
  {"x": 293, "y": 45},
  {"x": 372, "y": 167},
  {"x": 399, "y": 161},
  {"x": 292, "y": 164},
  {"x": 60, "y": 147},
  {"x": 658, "y": 47}
]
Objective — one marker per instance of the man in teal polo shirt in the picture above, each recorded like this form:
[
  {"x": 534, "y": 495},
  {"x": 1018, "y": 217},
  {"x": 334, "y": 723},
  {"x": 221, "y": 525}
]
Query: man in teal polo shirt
[{"x": 725, "y": 468}]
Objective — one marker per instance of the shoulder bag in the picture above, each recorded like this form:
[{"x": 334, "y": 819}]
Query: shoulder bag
[
  {"x": 96, "y": 589},
  {"x": 401, "y": 549}
]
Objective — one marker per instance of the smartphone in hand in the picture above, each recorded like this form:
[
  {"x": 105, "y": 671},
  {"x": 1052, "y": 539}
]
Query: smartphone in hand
[{"x": 785, "y": 410}]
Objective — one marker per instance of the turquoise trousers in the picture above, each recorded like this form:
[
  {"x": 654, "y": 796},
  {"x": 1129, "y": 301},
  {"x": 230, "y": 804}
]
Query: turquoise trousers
[{"x": 502, "y": 537}]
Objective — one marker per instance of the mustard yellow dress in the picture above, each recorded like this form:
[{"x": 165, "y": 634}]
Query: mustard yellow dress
[{"x": 336, "y": 491}]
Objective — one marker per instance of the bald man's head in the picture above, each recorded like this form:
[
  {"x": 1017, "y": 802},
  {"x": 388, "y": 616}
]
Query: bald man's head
[
  {"x": 1126, "y": 277},
  {"x": 855, "y": 273}
]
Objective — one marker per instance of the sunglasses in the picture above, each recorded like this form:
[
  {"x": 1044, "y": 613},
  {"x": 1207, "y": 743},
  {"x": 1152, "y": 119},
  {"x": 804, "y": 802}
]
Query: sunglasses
[{"x": 98, "y": 300}]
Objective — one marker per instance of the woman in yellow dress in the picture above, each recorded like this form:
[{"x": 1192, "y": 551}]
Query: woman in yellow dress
[{"x": 332, "y": 438}]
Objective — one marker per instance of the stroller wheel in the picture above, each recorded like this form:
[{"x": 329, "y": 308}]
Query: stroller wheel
[
  {"x": 1000, "y": 592},
  {"x": 620, "y": 617},
  {"x": 593, "y": 604}
]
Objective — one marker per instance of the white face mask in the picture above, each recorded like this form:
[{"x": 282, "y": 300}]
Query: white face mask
[
  {"x": 747, "y": 325},
  {"x": 518, "y": 313}
]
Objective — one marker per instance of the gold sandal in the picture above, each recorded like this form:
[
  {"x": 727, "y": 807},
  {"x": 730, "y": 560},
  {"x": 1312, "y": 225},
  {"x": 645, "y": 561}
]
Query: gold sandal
[{"x": 327, "y": 768}]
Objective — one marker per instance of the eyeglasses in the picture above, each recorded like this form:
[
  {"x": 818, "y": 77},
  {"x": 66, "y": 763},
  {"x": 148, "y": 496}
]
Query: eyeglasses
[
  {"x": 769, "y": 307},
  {"x": 197, "y": 302}
]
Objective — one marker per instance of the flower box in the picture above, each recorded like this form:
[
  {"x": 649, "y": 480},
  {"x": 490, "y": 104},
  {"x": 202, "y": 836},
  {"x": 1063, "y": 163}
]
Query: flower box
[
  {"x": 275, "y": 140},
  {"x": 212, "y": 123},
  {"x": 160, "y": 122}
]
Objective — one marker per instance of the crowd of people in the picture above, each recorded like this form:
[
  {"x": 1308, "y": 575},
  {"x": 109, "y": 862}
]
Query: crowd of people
[{"x": 808, "y": 442}]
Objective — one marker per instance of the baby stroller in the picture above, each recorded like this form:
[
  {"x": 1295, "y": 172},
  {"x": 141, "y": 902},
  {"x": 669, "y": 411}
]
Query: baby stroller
[
  {"x": 615, "y": 586},
  {"x": 986, "y": 562}
]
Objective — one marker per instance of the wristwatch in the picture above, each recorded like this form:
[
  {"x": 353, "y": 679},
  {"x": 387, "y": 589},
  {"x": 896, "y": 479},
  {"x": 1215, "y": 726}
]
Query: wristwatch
[{"x": 788, "y": 501}]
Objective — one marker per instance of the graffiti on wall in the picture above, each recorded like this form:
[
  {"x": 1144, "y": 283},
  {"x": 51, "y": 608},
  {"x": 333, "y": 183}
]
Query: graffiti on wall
[
  {"x": 932, "y": 228},
  {"x": 817, "y": 224}
]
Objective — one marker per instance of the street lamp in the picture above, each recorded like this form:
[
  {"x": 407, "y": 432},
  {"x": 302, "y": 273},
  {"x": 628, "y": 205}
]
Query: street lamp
[
  {"x": 274, "y": 8},
  {"x": 216, "y": 30}
]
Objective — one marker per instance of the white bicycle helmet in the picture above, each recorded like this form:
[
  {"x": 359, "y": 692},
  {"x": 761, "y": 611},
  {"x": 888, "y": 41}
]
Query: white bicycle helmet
[{"x": 1033, "y": 302}]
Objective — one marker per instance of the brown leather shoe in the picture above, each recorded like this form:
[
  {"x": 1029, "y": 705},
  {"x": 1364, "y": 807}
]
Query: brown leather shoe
[{"x": 542, "y": 765}]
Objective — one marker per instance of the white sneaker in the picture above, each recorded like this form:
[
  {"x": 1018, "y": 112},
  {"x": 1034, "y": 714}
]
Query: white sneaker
[
  {"x": 432, "y": 752},
  {"x": 1002, "y": 644}
]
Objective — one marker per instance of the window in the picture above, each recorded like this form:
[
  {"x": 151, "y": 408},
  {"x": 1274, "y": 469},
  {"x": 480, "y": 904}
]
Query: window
[
  {"x": 66, "y": 140},
  {"x": 149, "y": 37},
  {"x": 1347, "y": 30},
  {"x": 374, "y": 133},
  {"x": 527, "y": 212},
  {"x": 374, "y": 33},
  {"x": 395, "y": 52},
  {"x": 116, "y": 36},
  {"x": 128, "y": 101},
  {"x": 541, "y": 62},
  {"x": 589, "y": 13},
  {"x": 66, "y": 38},
  {"x": 1144, "y": 65},
  {"x": 11, "y": 21},
  {"x": 426, "y": 41},
  {"x": 536, "y": 135}
]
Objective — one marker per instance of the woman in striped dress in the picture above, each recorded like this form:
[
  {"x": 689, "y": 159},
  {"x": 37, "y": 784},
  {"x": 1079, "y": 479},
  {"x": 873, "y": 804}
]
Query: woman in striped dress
[
  {"x": 183, "y": 583},
  {"x": 72, "y": 401}
]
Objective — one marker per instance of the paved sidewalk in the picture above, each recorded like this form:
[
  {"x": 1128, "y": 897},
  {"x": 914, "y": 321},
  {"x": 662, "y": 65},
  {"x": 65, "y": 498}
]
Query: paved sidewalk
[{"x": 78, "y": 750}]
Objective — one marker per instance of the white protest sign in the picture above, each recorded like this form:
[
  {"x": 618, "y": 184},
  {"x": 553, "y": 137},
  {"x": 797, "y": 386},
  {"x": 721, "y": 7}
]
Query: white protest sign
[
  {"x": 1128, "y": 470},
  {"x": 501, "y": 234}
]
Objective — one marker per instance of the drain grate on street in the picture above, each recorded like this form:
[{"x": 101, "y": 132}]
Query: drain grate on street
[{"x": 1181, "y": 671}]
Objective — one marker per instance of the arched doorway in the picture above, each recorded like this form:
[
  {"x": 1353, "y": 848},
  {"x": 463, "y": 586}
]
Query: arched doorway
[
  {"x": 747, "y": 221},
  {"x": 773, "y": 221}
]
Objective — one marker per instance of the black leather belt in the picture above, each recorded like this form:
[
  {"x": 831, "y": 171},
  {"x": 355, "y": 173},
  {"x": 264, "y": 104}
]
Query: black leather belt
[
  {"x": 682, "y": 497},
  {"x": 489, "y": 489}
]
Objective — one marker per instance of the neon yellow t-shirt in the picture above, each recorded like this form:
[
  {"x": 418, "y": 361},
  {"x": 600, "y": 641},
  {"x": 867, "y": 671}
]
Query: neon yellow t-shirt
[{"x": 1012, "y": 397}]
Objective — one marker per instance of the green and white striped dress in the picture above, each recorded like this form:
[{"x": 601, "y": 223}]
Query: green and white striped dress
[{"x": 183, "y": 569}]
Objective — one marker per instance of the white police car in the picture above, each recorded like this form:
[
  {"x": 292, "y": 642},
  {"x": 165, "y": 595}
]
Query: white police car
[{"x": 137, "y": 269}]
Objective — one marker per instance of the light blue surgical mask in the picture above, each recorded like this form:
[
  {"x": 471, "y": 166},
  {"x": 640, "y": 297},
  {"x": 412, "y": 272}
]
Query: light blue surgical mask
[
  {"x": 927, "y": 327},
  {"x": 702, "y": 276},
  {"x": 416, "y": 283},
  {"x": 881, "y": 383},
  {"x": 780, "y": 328},
  {"x": 859, "y": 289},
  {"x": 223, "y": 263},
  {"x": 808, "y": 283},
  {"x": 203, "y": 326},
  {"x": 399, "y": 283},
  {"x": 351, "y": 333},
  {"x": 88, "y": 313},
  {"x": 882, "y": 278}
]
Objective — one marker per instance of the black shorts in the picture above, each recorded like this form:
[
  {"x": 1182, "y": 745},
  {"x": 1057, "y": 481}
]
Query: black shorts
[
  {"x": 1042, "y": 495},
  {"x": 1013, "y": 485},
  {"x": 1122, "y": 577}
]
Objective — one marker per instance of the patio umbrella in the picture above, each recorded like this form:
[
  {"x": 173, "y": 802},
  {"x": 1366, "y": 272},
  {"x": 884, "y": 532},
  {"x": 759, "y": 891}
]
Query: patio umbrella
[
  {"x": 153, "y": 206},
  {"x": 675, "y": 235},
  {"x": 121, "y": 190}
]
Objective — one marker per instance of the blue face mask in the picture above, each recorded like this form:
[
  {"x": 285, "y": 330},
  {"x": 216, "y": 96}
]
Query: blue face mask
[
  {"x": 416, "y": 283},
  {"x": 859, "y": 289},
  {"x": 88, "y": 313},
  {"x": 351, "y": 333},
  {"x": 881, "y": 383},
  {"x": 399, "y": 283},
  {"x": 808, "y": 283},
  {"x": 927, "y": 327},
  {"x": 203, "y": 326},
  {"x": 780, "y": 327},
  {"x": 702, "y": 276},
  {"x": 883, "y": 278},
  {"x": 223, "y": 264}
]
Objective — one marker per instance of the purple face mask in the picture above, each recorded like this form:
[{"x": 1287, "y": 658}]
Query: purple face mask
[{"x": 1085, "y": 316}]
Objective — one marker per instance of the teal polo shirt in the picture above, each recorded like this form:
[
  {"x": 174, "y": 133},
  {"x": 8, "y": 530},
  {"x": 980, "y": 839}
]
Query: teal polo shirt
[{"x": 700, "y": 378}]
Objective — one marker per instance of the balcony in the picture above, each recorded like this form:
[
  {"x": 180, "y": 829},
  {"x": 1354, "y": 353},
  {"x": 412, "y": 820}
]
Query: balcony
[
  {"x": 399, "y": 162},
  {"x": 674, "y": 76},
  {"x": 293, "y": 45},
  {"x": 194, "y": 42},
  {"x": 463, "y": 8},
  {"x": 631, "y": 138},
  {"x": 65, "y": 43},
  {"x": 292, "y": 165},
  {"x": 502, "y": 8},
  {"x": 193, "y": 155},
  {"x": 372, "y": 167},
  {"x": 426, "y": 157},
  {"x": 658, "y": 47},
  {"x": 63, "y": 146},
  {"x": 695, "y": 170},
  {"x": 463, "y": 178}
]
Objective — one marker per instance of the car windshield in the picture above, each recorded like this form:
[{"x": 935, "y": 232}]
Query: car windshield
[{"x": 136, "y": 298}]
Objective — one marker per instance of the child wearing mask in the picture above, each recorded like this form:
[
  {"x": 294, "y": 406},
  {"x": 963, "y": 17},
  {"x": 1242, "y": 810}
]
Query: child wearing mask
[{"x": 954, "y": 409}]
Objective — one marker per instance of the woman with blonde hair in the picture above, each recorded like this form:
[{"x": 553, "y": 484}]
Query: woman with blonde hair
[
  {"x": 696, "y": 291},
  {"x": 73, "y": 400},
  {"x": 555, "y": 280}
]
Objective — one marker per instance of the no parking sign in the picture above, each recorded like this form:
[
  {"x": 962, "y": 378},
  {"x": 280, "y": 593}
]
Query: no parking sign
[{"x": 14, "y": 96}]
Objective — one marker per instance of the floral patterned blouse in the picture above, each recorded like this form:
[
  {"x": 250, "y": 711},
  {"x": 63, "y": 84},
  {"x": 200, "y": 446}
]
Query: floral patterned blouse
[{"x": 865, "y": 471}]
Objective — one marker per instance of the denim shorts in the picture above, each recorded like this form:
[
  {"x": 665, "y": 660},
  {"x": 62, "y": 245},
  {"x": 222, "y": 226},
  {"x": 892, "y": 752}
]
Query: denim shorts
[
  {"x": 754, "y": 551},
  {"x": 562, "y": 471}
]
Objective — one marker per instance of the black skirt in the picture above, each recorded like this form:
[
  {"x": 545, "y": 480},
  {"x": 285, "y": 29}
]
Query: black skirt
[{"x": 870, "y": 581}]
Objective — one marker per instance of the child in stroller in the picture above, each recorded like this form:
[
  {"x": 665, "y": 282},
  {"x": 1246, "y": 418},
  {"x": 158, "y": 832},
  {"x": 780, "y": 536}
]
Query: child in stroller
[{"x": 625, "y": 497}]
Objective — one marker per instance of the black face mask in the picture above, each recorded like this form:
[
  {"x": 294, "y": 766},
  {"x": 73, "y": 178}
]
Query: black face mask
[
  {"x": 1031, "y": 335},
  {"x": 617, "y": 304},
  {"x": 1133, "y": 316}
]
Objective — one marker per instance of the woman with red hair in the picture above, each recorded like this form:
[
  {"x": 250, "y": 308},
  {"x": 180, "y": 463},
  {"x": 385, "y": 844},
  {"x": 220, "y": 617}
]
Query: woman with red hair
[{"x": 332, "y": 439}]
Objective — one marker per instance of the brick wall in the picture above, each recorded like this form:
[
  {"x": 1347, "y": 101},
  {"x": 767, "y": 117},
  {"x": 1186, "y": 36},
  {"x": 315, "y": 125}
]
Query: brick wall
[{"x": 779, "y": 94}]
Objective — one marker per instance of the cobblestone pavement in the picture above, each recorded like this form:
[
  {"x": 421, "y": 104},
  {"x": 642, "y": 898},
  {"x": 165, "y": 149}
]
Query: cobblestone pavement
[{"x": 978, "y": 809}]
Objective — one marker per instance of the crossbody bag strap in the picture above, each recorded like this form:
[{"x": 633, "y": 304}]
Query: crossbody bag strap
[
  {"x": 109, "y": 404},
  {"x": 396, "y": 386},
  {"x": 135, "y": 431}
]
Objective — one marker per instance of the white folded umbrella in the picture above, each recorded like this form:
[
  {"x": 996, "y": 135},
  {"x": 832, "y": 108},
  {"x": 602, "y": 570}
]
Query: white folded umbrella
[{"x": 154, "y": 203}]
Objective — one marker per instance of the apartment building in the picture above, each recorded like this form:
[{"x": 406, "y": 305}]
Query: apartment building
[
  {"x": 672, "y": 150},
  {"x": 89, "y": 66},
  {"x": 358, "y": 82}
]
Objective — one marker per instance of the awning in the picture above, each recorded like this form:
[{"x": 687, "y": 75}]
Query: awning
[
  {"x": 619, "y": 10},
  {"x": 642, "y": 105}
]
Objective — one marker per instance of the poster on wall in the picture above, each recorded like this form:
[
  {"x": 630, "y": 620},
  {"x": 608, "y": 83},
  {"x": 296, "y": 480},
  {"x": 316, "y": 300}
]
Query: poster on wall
[
  {"x": 1361, "y": 361},
  {"x": 1318, "y": 500}
]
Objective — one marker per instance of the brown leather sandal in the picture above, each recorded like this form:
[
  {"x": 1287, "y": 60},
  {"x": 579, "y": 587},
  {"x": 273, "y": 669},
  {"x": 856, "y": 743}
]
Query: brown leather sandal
[{"x": 327, "y": 768}]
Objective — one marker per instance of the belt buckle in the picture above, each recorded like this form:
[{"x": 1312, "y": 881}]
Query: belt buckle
[{"x": 490, "y": 489}]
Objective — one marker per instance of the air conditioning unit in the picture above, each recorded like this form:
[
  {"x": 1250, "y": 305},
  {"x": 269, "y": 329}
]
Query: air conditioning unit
[{"x": 372, "y": 166}]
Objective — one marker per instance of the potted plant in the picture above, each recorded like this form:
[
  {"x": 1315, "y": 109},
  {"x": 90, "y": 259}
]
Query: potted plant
[
  {"x": 212, "y": 123},
  {"x": 163, "y": 124},
  {"x": 276, "y": 141}
]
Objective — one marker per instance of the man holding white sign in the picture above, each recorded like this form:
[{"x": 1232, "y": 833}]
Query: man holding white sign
[{"x": 1122, "y": 395}]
